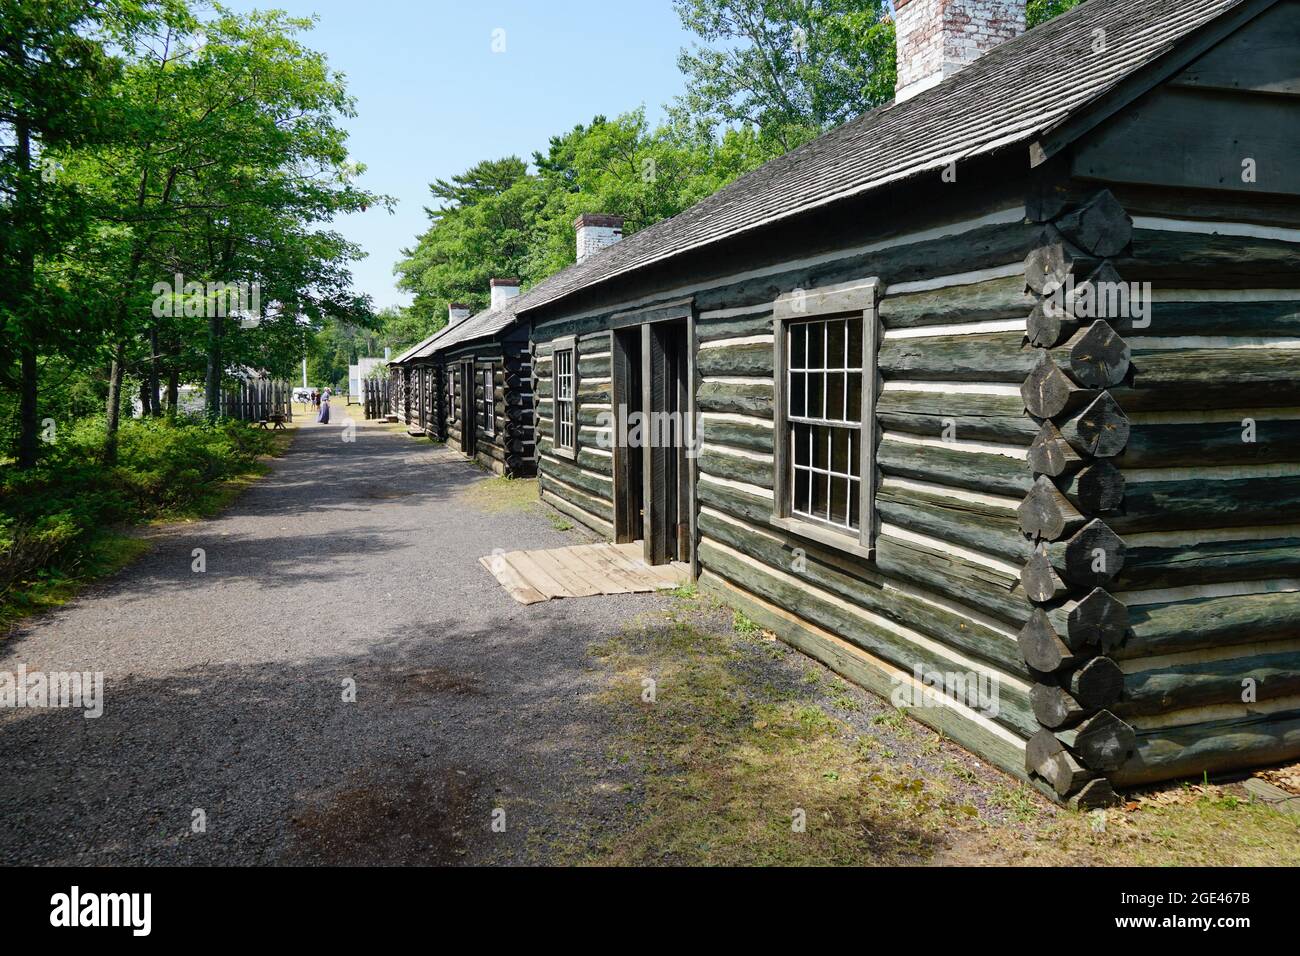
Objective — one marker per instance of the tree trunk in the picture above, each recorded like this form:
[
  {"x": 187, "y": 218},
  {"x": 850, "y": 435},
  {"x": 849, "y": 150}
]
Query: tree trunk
[
  {"x": 212, "y": 396},
  {"x": 152, "y": 378},
  {"x": 114, "y": 405},
  {"x": 173, "y": 390},
  {"x": 28, "y": 427}
]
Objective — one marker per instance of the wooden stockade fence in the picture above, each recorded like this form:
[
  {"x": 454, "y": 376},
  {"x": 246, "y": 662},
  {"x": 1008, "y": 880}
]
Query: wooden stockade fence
[
  {"x": 375, "y": 397},
  {"x": 258, "y": 401}
]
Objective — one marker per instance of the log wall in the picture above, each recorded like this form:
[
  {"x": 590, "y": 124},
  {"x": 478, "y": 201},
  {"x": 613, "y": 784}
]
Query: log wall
[
  {"x": 942, "y": 595},
  {"x": 510, "y": 449}
]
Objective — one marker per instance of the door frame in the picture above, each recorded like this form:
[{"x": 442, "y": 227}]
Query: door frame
[
  {"x": 468, "y": 423},
  {"x": 652, "y": 497}
]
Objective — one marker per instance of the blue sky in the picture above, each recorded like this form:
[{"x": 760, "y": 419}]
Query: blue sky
[{"x": 434, "y": 98}]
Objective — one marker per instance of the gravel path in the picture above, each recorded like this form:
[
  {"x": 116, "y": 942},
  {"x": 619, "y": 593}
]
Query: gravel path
[{"x": 224, "y": 689}]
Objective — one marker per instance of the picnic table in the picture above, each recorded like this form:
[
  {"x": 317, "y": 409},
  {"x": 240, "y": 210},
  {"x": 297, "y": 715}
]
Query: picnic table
[{"x": 276, "y": 420}]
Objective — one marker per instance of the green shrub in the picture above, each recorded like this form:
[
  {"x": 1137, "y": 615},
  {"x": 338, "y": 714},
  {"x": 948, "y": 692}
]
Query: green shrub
[{"x": 52, "y": 516}]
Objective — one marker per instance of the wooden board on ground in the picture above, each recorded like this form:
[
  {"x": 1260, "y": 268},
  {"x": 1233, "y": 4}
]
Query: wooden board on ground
[{"x": 580, "y": 571}]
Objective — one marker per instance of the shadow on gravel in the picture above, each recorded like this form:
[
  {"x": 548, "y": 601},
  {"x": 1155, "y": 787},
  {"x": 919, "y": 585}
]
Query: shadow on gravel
[{"x": 450, "y": 723}]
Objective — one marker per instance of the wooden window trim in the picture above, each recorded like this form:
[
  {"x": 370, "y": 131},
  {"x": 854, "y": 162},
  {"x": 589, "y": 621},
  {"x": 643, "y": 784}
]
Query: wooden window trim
[
  {"x": 488, "y": 402},
  {"x": 567, "y": 343},
  {"x": 860, "y": 296}
]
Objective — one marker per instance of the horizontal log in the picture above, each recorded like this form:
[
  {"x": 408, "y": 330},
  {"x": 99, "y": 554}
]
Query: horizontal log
[
  {"x": 969, "y": 582},
  {"x": 988, "y": 472},
  {"x": 965, "y": 415},
  {"x": 753, "y": 436},
  {"x": 976, "y": 302},
  {"x": 861, "y": 584},
  {"x": 1212, "y": 443},
  {"x": 1210, "y": 562},
  {"x": 969, "y": 523},
  {"x": 747, "y": 359},
  {"x": 1269, "y": 319},
  {"x": 740, "y": 326},
  {"x": 1211, "y": 747},
  {"x": 840, "y": 619},
  {"x": 742, "y": 399},
  {"x": 1186, "y": 370},
  {"x": 1210, "y": 622},
  {"x": 1163, "y": 255},
  {"x": 736, "y": 467},
  {"x": 1183, "y": 503},
  {"x": 1184, "y": 685},
  {"x": 992, "y": 357}
]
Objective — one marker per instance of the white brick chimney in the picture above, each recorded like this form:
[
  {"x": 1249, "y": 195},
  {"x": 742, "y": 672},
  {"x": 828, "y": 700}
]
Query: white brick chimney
[
  {"x": 457, "y": 313},
  {"x": 503, "y": 290},
  {"x": 936, "y": 38},
  {"x": 596, "y": 231}
]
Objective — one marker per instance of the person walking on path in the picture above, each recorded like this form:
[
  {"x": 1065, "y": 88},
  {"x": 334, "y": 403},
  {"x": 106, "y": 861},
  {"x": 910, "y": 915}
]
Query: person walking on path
[{"x": 324, "y": 417}]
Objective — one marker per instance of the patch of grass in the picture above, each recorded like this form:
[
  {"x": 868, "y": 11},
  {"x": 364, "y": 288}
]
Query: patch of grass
[
  {"x": 737, "y": 772},
  {"x": 744, "y": 626},
  {"x": 498, "y": 495},
  {"x": 558, "y": 521},
  {"x": 732, "y": 756}
]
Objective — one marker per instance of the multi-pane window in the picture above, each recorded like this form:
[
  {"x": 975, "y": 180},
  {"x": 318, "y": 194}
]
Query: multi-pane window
[
  {"x": 449, "y": 412},
  {"x": 487, "y": 418},
  {"x": 824, "y": 419},
  {"x": 565, "y": 418}
]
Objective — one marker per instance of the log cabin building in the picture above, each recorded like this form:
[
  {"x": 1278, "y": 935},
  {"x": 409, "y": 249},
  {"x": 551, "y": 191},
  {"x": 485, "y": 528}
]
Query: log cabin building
[
  {"x": 470, "y": 385},
  {"x": 994, "y": 387}
]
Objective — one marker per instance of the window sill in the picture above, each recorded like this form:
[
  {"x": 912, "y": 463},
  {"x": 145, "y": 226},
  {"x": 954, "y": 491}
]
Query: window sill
[
  {"x": 823, "y": 536},
  {"x": 570, "y": 454}
]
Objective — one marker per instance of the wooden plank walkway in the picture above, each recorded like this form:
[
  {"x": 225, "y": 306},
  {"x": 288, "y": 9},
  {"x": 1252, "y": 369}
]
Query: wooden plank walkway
[{"x": 581, "y": 571}]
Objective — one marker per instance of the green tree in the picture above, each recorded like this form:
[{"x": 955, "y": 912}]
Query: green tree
[
  {"x": 235, "y": 161},
  {"x": 1040, "y": 11},
  {"x": 55, "y": 71},
  {"x": 791, "y": 69}
]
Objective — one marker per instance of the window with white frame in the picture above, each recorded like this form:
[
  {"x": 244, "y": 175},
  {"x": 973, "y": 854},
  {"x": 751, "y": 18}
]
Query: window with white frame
[
  {"x": 824, "y": 415},
  {"x": 566, "y": 420},
  {"x": 487, "y": 414},
  {"x": 825, "y": 352}
]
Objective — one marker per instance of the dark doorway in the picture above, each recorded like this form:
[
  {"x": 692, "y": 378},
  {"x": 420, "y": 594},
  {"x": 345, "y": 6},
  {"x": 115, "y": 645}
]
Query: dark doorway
[
  {"x": 629, "y": 481},
  {"x": 665, "y": 389},
  {"x": 468, "y": 445}
]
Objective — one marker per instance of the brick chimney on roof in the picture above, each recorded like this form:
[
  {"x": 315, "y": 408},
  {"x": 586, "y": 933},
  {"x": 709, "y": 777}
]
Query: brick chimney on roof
[
  {"x": 503, "y": 290},
  {"x": 456, "y": 312},
  {"x": 596, "y": 231},
  {"x": 936, "y": 38}
]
